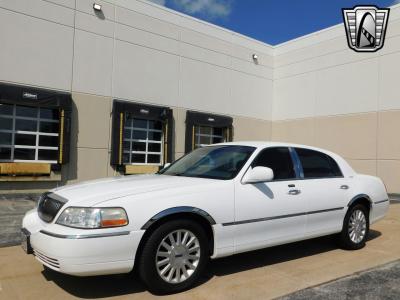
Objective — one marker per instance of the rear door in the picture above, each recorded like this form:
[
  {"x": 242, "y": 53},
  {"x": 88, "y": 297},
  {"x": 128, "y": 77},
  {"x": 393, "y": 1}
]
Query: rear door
[
  {"x": 325, "y": 190},
  {"x": 272, "y": 212}
]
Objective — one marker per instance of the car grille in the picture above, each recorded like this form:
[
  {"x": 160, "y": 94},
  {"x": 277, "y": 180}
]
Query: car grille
[
  {"x": 48, "y": 207},
  {"x": 46, "y": 260}
]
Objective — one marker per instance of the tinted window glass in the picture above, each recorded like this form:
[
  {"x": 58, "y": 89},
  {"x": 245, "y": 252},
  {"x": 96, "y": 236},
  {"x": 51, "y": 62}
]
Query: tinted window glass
[
  {"x": 25, "y": 125},
  {"x": 6, "y": 124},
  {"x": 48, "y": 155},
  {"x": 25, "y": 139},
  {"x": 279, "y": 160},
  {"x": 5, "y": 153},
  {"x": 48, "y": 141},
  {"x": 49, "y": 127},
  {"x": 217, "y": 162},
  {"x": 24, "y": 154},
  {"x": 26, "y": 111},
  {"x": 6, "y": 109},
  {"x": 317, "y": 164}
]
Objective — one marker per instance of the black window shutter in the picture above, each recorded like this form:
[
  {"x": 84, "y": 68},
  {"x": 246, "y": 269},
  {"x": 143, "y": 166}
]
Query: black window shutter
[
  {"x": 30, "y": 96},
  {"x": 140, "y": 111}
]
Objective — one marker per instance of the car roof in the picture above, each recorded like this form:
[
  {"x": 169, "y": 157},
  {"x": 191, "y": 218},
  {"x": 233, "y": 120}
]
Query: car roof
[{"x": 264, "y": 144}]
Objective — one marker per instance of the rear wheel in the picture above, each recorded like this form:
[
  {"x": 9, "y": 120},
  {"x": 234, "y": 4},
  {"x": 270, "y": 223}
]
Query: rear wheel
[
  {"x": 355, "y": 227},
  {"x": 174, "y": 256}
]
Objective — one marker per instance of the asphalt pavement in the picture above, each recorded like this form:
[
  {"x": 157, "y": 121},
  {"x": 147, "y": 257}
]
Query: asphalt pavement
[{"x": 378, "y": 283}]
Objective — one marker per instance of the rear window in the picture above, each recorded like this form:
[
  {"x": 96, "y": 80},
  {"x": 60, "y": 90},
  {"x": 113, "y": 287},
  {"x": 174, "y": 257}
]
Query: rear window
[{"x": 317, "y": 165}]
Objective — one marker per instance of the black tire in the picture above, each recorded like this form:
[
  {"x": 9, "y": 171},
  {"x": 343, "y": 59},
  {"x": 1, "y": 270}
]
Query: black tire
[
  {"x": 344, "y": 237},
  {"x": 147, "y": 261}
]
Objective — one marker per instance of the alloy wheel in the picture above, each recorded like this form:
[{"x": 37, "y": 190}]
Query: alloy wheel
[
  {"x": 357, "y": 226},
  {"x": 178, "y": 256}
]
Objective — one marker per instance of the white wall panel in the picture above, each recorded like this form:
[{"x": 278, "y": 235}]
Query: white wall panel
[
  {"x": 41, "y": 9},
  {"x": 86, "y": 6},
  {"x": 35, "y": 51},
  {"x": 389, "y": 91},
  {"x": 92, "y": 63},
  {"x": 146, "y": 75},
  {"x": 204, "y": 87},
  {"x": 146, "y": 23},
  {"x": 349, "y": 88},
  {"x": 251, "y": 68},
  {"x": 203, "y": 40},
  {"x": 66, "y": 3},
  {"x": 94, "y": 24},
  {"x": 296, "y": 97},
  {"x": 205, "y": 55},
  {"x": 147, "y": 39},
  {"x": 250, "y": 96}
]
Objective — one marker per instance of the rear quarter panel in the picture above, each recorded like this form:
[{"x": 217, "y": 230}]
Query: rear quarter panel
[{"x": 374, "y": 188}]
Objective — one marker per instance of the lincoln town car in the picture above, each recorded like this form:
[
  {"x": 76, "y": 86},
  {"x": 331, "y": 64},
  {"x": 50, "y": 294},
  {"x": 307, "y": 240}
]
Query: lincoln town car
[{"x": 216, "y": 201}]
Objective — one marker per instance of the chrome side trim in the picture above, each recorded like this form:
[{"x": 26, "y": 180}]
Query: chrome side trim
[
  {"x": 179, "y": 209},
  {"x": 355, "y": 198},
  {"x": 282, "y": 216},
  {"x": 84, "y": 236},
  {"x": 382, "y": 201}
]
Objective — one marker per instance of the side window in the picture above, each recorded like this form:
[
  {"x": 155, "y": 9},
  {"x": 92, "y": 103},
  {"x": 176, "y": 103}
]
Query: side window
[
  {"x": 317, "y": 165},
  {"x": 279, "y": 160}
]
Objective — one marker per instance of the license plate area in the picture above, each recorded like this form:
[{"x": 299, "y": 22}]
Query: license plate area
[{"x": 26, "y": 241}]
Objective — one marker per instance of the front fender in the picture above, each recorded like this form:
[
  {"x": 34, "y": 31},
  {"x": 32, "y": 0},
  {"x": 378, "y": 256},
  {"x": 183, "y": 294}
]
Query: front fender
[{"x": 179, "y": 209}]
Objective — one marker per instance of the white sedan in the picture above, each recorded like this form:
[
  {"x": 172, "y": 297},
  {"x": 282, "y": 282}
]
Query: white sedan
[{"x": 216, "y": 201}]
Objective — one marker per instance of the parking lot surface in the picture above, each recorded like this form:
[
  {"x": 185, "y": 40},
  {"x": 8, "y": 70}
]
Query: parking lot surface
[
  {"x": 264, "y": 274},
  {"x": 378, "y": 283}
]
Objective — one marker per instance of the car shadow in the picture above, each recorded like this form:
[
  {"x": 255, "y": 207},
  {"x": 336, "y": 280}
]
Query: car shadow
[{"x": 125, "y": 284}]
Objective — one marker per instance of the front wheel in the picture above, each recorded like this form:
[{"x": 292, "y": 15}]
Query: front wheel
[
  {"x": 355, "y": 228},
  {"x": 174, "y": 256}
]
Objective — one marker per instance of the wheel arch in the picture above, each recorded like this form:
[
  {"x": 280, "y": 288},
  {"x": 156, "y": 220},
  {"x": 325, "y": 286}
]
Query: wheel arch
[
  {"x": 179, "y": 210},
  {"x": 193, "y": 213},
  {"x": 361, "y": 199}
]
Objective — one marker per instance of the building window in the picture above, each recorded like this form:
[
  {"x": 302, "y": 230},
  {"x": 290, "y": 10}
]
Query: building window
[
  {"x": 28, "y": 134},
  {"x": 143, "y": 141},
  {"x": 206, "y": 135},
  {"x": 205, "y": 129},
  {"x": 141, "y": 137}
]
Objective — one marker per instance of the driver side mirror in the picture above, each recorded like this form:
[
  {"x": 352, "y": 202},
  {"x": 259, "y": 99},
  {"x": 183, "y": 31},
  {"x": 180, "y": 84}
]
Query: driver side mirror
[
  {"x": 258, "y": 174},
  {"x": 166, "y": 165}
]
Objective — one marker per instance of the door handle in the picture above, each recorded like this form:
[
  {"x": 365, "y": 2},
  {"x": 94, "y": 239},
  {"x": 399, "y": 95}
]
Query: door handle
[
  {"x": 344, "y": 187},
  {"x": 294, "y": 192}
]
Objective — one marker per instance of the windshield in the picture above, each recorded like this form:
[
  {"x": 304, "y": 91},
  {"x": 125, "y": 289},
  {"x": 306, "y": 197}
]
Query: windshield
[{"x": 216, "y": 162}]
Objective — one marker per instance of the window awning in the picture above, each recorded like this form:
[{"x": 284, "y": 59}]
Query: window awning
[
  {"x": 22, "y": 95},
  {"x": 205, "y": 119}
]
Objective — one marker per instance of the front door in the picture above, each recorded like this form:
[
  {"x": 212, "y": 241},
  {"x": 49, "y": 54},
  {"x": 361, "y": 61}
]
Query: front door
[{"x": 272, "y": 212}]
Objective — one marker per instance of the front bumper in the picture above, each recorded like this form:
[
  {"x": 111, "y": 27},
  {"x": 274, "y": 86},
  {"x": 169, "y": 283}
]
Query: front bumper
[{"x": 82, "y": 252}]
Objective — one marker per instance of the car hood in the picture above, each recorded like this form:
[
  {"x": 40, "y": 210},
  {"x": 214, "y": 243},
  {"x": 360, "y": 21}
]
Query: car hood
[{"x": 93, "y": 192}]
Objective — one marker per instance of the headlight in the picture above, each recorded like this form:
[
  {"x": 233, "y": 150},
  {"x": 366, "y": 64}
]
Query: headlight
[{"x": 89, "y": 218}]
